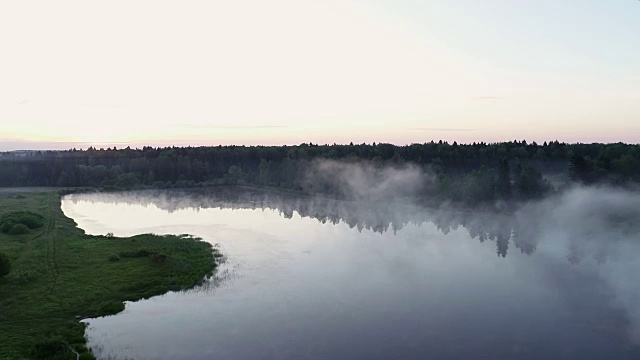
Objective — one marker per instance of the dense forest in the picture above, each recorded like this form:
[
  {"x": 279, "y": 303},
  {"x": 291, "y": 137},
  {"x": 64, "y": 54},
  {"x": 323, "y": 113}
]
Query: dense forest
[{"x": 467, "y": 173}]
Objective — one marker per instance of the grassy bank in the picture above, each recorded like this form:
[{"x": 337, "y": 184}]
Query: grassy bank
[{"x": 60, "y": 275}]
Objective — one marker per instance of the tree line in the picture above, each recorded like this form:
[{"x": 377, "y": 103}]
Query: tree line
[{"x": 468, "y": 173}]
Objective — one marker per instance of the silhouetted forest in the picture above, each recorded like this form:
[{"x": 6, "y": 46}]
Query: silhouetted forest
[{"x": 467, "y": 173}]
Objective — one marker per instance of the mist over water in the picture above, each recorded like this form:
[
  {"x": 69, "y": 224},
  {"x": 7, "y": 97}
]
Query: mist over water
[
  {"x": 364, "y": 181},
  {"x": 313, "y": 277},
  {"x": 598, "y": 227}
]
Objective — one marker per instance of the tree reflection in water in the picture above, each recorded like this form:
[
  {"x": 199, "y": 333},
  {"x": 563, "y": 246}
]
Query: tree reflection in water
[{"x": 524, "y": 228}]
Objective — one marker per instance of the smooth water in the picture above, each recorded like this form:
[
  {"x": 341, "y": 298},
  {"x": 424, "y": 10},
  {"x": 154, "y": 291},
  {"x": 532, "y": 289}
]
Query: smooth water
[{"x": 312, "y": 278}]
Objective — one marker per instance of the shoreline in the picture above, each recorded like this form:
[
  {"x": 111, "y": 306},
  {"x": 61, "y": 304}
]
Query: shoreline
[{"x": 62, "y": 276}]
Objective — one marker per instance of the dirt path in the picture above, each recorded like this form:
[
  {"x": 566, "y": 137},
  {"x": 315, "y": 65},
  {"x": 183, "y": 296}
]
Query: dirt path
[{"x": 51, "y": 243}]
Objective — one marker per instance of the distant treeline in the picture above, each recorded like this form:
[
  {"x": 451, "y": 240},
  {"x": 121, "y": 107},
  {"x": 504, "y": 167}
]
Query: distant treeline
[{"x": 468, "y": 173}]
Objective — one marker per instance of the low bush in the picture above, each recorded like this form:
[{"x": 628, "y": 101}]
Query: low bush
[
  {"x": 52, "y": 348},
  {"x": 86, "y": 356},
  {"x": 81, "y": 348},
  {"x": 159, "y": 258},
  {"x": 113, "y": 307},
  {"x": 19, "y": 229},
  {"x": 5, "y": 265},
  {"x": 136, "y": 254},
  {"x": 26, "y": 218}
]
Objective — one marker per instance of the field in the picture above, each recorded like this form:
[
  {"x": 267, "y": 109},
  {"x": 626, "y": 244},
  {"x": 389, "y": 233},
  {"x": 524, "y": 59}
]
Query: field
[{"x": 60, "y": 275}]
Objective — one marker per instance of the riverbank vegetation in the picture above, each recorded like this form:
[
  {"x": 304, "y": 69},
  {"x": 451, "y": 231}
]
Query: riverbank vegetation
[
  {"x": 59, "y": 275},
  {"x": 470, "y": 174},
  {"x": 20, "y": 222}
]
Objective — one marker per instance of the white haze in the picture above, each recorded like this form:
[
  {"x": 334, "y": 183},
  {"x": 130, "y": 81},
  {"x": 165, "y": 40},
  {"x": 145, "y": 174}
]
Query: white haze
[
  {"x": 364, "y": 180},
  {"x": 595, "y": 228}
]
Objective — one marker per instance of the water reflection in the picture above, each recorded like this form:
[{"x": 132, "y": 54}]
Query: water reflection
[
  {"x": 524, "y": 229},
  {"x": 317, "y": 278}
]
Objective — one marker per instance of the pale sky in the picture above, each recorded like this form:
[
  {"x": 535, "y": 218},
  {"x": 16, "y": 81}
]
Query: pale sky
[{"x": 80, "y": 73}]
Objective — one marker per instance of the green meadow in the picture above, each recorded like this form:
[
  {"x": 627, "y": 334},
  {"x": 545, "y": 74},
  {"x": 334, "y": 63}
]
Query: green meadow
[{"x": 60, "y": 275}]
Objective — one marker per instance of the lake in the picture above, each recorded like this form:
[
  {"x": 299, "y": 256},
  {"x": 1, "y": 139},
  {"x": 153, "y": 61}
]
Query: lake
[{"x": 316, "y": 278}]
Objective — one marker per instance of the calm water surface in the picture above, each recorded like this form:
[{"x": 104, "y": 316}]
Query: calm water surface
[{"x": 310, "y": 278}]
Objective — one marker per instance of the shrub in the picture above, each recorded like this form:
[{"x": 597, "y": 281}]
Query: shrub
[
  {"x": 112, "y": 307},
  {"x": 136, "y": 254},
  {"x": 6, "y": 226},
  {"x": 114, "y": 258},
  {"x": 26, "y": 218},
  {"x": 86, "y": 356},
  {"x": 52, "y": 348},
  {"x": 159, "y": 258},
  {"x": 81, "y": 348},
  {"x": 143, "y": 253},
  {"x": 18, "y": 229},
  {"x": 5, "y": 265}
]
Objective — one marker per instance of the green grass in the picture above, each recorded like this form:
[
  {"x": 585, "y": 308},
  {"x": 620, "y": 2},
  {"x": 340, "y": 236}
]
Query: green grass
[{"x": 61, "y": 275}]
